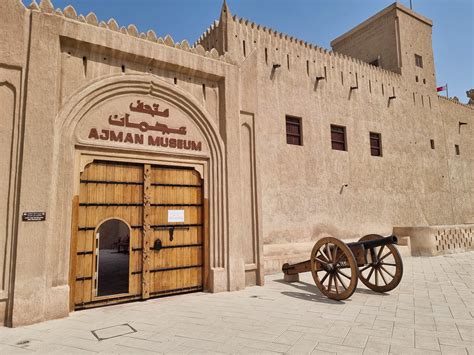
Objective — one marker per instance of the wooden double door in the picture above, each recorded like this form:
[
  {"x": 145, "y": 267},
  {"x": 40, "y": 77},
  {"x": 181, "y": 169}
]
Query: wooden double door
[{"x": 137, "y": 232}]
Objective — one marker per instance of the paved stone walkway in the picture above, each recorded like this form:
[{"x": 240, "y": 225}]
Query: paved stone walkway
[{"x": 431, "y": 312}]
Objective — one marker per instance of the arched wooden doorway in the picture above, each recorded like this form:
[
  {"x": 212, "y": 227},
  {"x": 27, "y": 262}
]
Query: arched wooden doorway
[
  {"x": 161, "y": 209},
  {"x": 112, "y": 246}
]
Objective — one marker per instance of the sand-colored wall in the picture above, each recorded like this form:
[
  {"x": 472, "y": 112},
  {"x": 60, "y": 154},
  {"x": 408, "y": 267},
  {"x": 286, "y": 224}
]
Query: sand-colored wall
[
  {"x": 303, "y": 197},
  {"x": 376, "y": 40},
  {"x": 69, "y": 60},
  {"x": 60, "y": 67},
  {"x": 13, "y": 68}
]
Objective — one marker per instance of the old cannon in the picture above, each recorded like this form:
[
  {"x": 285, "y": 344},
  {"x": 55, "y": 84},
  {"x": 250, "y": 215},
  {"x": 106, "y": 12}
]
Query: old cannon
[{"x": 337, "y": 266}]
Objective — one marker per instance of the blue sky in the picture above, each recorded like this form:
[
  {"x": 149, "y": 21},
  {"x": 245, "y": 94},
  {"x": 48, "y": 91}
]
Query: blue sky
[{"x": 315, "y": 21}]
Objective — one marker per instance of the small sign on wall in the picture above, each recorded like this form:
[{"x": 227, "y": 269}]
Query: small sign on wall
[
  {"x": 175, "y": 216},
  {"x": 33, "y": 216}
]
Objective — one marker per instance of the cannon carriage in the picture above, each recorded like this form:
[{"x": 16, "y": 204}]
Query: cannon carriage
[{"x": 336, "y": 266}]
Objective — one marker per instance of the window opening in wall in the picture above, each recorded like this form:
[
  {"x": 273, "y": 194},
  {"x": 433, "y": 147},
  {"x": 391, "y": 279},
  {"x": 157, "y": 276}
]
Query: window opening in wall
[
  {"x": 307, "y": 67},
  {"x": 175, "y": 81},
  {"x": 456, "y": 148},
  {"x": 375, "y": 63},
  {"x": 416, "y": 78},
  {"x": 293, "y": 130},
  {"x": 424, "y": 81},
  {"x": 370, "y": 86},
  {"x": 375, "y": 144},
  {"x": 204, "y": 91},
  {"x": 342, "y": 78},
  {"x": 418, "y": 61},
  {"x": 243, "y": 47},
  {"x": 432, "y": 144},
  {"x": 123, "y": 68},
  {"x": 429, "y": 100},
  {"x": 84, "y": 65},
  {"x": 325, "y": 73},
  {"x": 414, "y": 100},
  {"x": 266, "y": 56},
  {"x": 422, "y": 101},
  {"x": 338, "y": 137},
  {"x": 383, "y": 91},
  {"x": 288, "y": 61}
]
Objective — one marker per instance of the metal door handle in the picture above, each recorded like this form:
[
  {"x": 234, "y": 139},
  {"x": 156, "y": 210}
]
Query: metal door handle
[{"x": 171, "y": 229}]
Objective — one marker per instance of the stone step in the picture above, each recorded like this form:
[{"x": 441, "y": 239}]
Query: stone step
[{"x": 404, "y": 246}]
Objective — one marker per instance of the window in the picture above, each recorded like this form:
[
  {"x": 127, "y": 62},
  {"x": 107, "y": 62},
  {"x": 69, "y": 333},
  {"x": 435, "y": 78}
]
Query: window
[
  {"x": 375, "y": 63},
  {"x": 432, "y": 144},
  {"x": 456, "y": 148},
  {"x": 418, "y": 60},
  {"x": 375, "y": 144},
  {"x": 293, "y": 130},
  {"x": 338, "y": 137}
]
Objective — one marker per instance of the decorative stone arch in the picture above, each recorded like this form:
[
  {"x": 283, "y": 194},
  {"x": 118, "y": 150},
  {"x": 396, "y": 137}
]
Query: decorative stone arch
[{"x": 67, "y": 145}]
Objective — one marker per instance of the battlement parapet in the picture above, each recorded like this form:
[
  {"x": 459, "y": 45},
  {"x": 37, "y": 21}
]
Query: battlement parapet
[
  {"x": 300, "y": 47},
  {"x": 455, "y": 101},
  {"x": 263, "y": 34},
  {"x": 70, "y": 14}
]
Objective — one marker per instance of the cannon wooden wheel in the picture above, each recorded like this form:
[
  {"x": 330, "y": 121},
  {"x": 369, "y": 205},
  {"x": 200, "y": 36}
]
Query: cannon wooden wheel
[
  {"x": 334, "y": 268},
  {"x": 384, "y": 269}
]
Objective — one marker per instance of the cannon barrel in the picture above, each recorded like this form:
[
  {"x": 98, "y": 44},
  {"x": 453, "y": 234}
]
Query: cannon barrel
[{"x": 392, "y": 239}]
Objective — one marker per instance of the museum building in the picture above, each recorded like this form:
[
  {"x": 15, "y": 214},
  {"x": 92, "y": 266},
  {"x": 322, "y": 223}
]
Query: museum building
[{"x": 135, "y": 167}]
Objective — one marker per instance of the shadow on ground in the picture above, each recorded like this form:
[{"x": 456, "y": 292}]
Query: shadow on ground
[{"x": 313, "y": 294}]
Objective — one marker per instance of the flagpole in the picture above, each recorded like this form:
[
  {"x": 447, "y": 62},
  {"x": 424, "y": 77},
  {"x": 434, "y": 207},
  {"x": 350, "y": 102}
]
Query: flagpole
[{"x": 447, "y": 95}]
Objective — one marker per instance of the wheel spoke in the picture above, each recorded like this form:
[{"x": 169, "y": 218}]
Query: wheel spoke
[
  {"x": 365, "y": 268},
  {"x": 384, "y": 269},
  {"x": 370, "y": 274},
  {"x": 334, "y": 254},
  {"x": 335, "y": 284},
  {"x": 343, "y": 274},
  {"x": 339, "y": 258},
  {"x": 376, "y": 277},
  {"x": 389, "y": 264},
  {"x": 380, "y": 252},
  {"x": 324, "y": 277},
  {"x": 328, "y": 252},
  {"x": 340, "y": 280},
  {"x": 383, "y": 257},
  {"x": 321, "y": 261},
  {"x": 322, "y": 255},
  {"x": 383, "y": 277},
  {"x": 330, "y": 283}
]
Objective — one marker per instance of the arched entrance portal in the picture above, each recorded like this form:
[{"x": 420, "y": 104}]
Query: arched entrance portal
[
  {"x": 153, "y": 152},
  {"x": 112, "y": 258},
  {"x": 140, "y": 232}
]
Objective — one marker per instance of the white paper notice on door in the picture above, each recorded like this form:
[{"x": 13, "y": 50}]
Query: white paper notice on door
[{"x": 175, "y": 216}]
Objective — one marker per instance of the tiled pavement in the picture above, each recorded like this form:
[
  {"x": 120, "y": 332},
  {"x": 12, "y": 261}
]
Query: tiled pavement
[{"x": 431, "y": 312}]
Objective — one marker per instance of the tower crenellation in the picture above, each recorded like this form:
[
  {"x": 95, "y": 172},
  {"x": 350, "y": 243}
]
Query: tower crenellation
[
  {"x": 70, "y": 13},
  {"x": 242, "y": 36}
]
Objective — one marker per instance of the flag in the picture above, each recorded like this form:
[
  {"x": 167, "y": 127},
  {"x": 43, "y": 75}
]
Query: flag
[{"x": 442, "y": 88}]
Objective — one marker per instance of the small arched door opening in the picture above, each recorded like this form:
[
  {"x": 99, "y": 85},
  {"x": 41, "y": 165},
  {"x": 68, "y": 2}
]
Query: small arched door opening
[{"x": 112, "y": 258}]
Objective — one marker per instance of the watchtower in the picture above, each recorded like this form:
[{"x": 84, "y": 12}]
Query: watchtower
[{"x": 396, "y": 39}]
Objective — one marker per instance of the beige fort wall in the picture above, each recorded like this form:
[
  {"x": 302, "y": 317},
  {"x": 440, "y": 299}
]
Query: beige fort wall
[
  {"x": 52, "y": 60},
  {"x": 269, "y": 201},
  {"x": 302, "y": 193}
]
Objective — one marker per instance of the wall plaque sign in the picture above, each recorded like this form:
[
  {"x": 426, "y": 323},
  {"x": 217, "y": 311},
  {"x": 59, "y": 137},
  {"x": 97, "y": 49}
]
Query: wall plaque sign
[
  {"x": 33, "y": 216},
  {"x": 141, "y": 122},
  {"x": 175, "y": 216}
]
